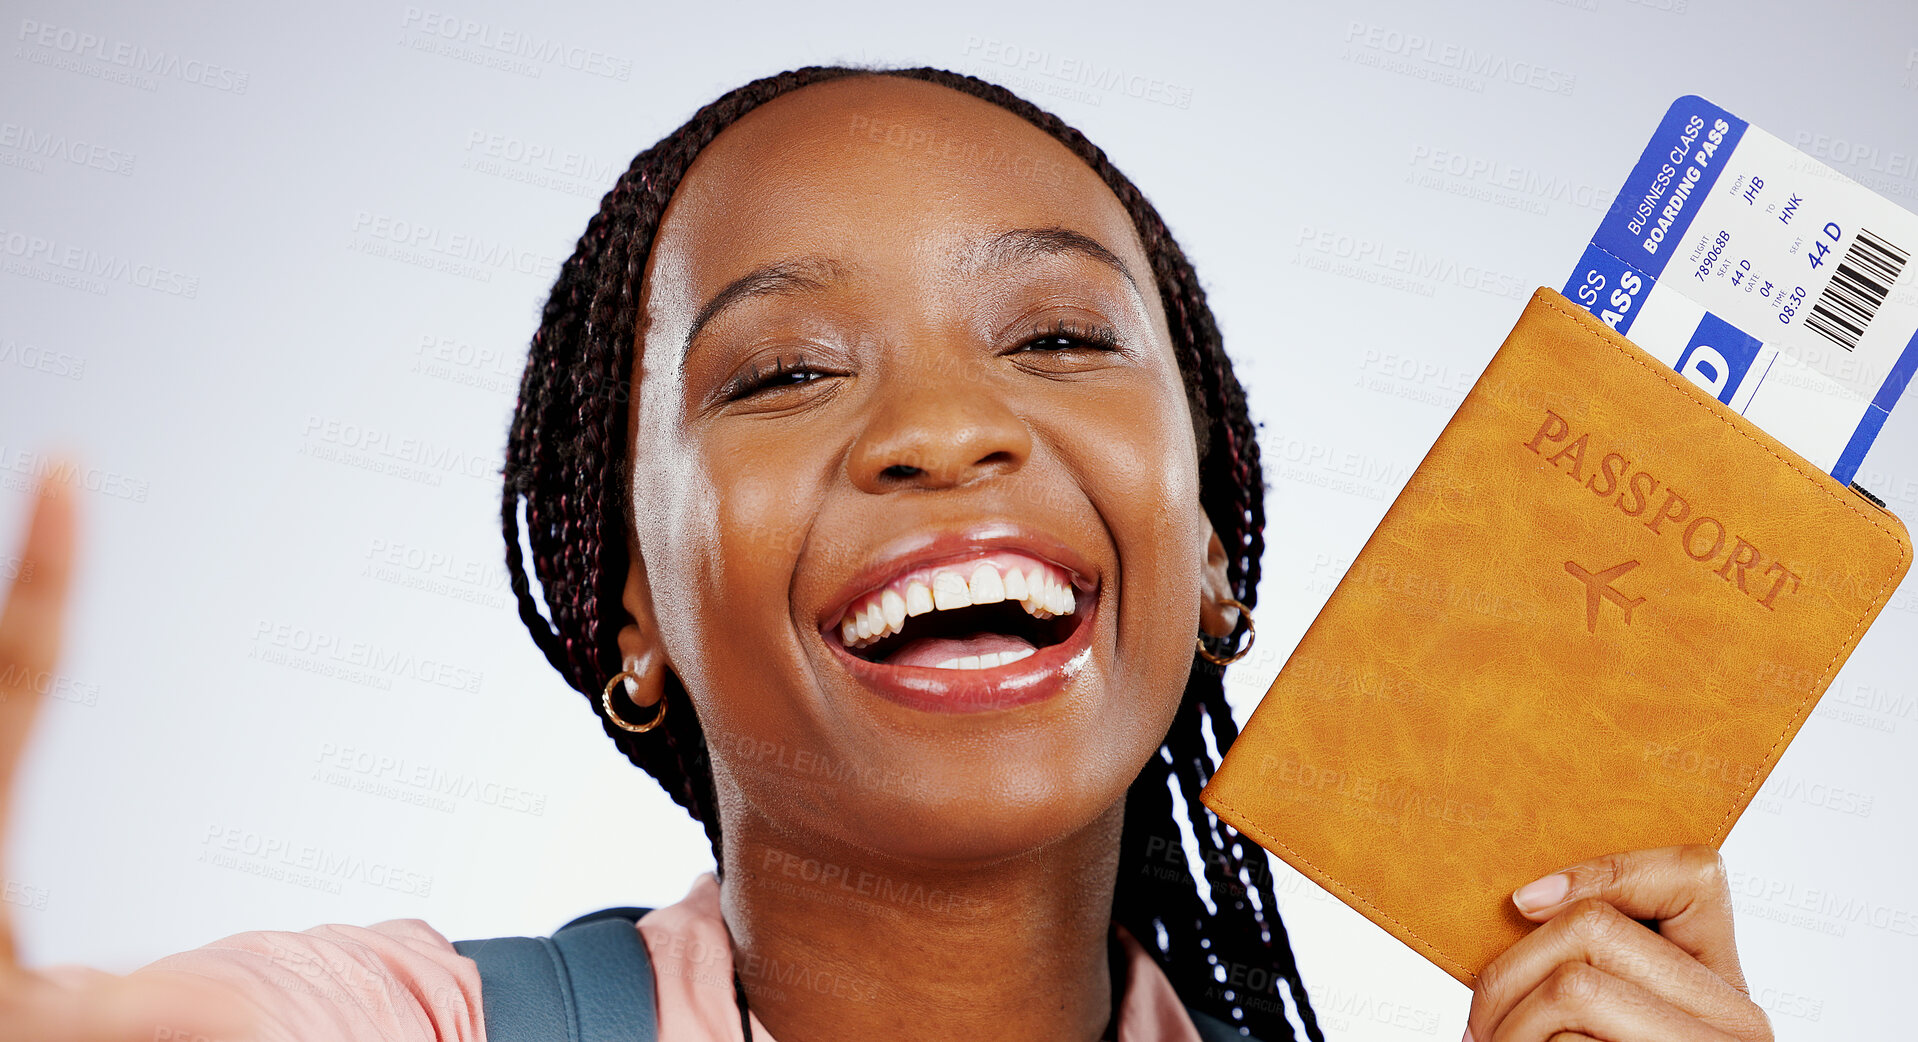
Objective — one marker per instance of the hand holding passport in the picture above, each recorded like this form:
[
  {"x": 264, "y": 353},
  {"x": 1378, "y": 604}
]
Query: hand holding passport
[{"x": 1607, "y": 598}]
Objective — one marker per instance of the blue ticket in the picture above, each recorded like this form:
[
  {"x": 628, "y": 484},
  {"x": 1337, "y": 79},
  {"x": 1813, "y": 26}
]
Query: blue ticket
[{"x": 1769, "y": 279}]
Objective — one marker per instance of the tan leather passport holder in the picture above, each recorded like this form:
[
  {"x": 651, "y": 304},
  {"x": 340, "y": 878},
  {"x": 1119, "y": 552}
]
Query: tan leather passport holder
[{"x": 1590, "y": 623}]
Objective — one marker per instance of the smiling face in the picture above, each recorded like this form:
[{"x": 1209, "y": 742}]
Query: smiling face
[{"x": 916, "y": 491}]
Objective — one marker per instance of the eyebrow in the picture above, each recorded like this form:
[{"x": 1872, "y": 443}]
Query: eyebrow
[
  {"x": 810, "y": 274},
  {"x": 814, "y": 273},
  {"x": 1026, "y": 244}
]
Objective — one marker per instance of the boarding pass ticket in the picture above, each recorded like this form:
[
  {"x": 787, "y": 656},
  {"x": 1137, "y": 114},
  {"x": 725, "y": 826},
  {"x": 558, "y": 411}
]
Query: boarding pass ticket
[{"x": 1769, "y": 279}]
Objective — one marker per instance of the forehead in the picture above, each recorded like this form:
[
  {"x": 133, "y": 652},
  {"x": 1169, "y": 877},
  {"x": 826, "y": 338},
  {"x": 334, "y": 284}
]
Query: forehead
[{"x": 894, "y": 176}]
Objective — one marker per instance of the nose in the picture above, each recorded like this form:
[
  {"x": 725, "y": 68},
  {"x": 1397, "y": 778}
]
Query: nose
[{"x": 928, "y": 432}]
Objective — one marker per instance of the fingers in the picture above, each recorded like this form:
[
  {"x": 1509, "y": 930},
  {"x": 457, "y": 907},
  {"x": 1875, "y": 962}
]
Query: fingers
[
  {"x": 30, "y": 638},
  {"x": 1590, "y": 935},
  {"x": 1683, "y": 888},
  {"x": 76, "y": 1004},
  {"x": 30, "y": 622},
  {"x": 1593, "y": 970},
  {"x": 1581, "y": 1001}
]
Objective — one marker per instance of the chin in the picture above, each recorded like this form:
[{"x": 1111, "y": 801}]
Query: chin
[{"x": 970, "y": 810}]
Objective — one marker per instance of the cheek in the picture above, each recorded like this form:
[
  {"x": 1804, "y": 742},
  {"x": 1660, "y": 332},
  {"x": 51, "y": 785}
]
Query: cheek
[
  {"x": 1145, "y": 477},
  {"x": 735, "y": 528}
]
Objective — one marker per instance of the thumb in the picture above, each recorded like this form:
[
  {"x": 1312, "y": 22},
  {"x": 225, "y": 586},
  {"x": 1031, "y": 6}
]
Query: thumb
[{"x": 1680, "y": 891}]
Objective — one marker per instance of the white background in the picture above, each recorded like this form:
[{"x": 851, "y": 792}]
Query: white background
[{"x": 254, "y": 333}]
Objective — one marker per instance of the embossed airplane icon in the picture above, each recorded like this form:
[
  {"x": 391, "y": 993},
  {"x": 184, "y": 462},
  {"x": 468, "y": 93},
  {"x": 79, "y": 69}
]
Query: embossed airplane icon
[{"x": 1598, "y": 585}]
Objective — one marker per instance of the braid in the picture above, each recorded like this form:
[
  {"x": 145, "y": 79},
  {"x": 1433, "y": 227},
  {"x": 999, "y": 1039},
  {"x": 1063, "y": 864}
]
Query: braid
[
  {"x": 568, "y": 461},
  {"x": 566, "y": 455}
]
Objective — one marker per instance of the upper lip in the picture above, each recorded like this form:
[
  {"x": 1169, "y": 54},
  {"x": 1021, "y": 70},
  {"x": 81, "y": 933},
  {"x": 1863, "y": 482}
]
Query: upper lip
[{"x": 929, "y": 547}]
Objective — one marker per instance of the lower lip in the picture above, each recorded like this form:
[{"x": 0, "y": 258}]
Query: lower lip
[{"x": 1034, "y": 678}]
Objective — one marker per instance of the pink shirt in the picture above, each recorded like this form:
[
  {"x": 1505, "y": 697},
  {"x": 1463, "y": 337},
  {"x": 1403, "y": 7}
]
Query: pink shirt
[{"x": 401, "y": 981}]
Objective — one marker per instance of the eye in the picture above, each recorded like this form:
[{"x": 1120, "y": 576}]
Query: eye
[
  {"x": 1066, "y": 335},
  {"x": 780, "y": 374}
]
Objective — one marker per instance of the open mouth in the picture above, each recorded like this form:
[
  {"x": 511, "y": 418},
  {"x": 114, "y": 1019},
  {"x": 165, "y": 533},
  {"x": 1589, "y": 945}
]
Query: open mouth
[{"x": 980, "y": 612}]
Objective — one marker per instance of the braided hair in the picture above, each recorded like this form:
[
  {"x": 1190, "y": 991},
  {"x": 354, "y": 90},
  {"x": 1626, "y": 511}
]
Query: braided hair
[{"x": 567, "y": 461}]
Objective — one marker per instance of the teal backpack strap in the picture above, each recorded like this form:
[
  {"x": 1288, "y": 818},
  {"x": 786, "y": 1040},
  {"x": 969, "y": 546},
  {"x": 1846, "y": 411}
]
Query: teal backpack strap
[
  {"x": 590, "y": 982},
  {"x": 593, "y": 982}
]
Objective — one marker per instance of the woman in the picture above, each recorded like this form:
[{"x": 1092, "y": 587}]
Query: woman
[{"x": 906, "y": 567}]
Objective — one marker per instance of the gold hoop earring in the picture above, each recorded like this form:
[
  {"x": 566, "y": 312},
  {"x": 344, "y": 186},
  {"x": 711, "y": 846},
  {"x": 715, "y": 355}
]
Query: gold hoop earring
[
  {"x": 1251, "y": 634},
  {"x": 606, "y": 703}
]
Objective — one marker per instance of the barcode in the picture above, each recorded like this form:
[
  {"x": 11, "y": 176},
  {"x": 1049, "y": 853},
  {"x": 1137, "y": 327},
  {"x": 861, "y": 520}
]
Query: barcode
[{"x": 1861, "y": 283}]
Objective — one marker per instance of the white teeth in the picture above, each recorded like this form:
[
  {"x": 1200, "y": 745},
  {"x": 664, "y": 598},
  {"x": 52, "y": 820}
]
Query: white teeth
[
  {"x": 1053, "y": 597},
  {"x": 1037, "y": 590},
  {"x": 949, "y": 591},
  {"x": 986, "y": 661},
  {"x": 986, "y": 585}
]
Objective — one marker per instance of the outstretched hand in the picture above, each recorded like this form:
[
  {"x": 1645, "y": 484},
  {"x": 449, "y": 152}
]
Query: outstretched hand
[
  {"x": 73, "y": 1004},
  {"x": 1595, "y": 972}
]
